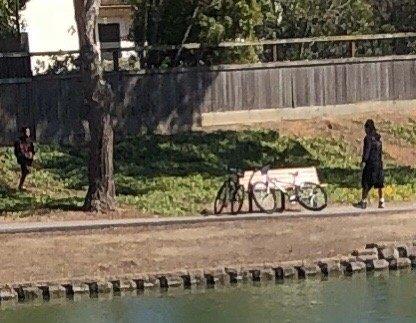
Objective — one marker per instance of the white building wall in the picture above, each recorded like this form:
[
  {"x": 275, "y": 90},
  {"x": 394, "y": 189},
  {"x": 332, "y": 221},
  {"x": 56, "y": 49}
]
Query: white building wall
[{"x": 51, "y": 26}]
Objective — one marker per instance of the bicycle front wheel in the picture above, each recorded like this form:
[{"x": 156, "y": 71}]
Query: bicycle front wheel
[
  {"x": 230, "y": 198},
  {"x": 221, "y": 198},
  {"x": 264, "y": 197},
  {"x": 312, "y": 197}
]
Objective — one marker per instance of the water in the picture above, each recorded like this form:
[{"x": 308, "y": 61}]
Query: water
[{"x": 389, "y": 297}]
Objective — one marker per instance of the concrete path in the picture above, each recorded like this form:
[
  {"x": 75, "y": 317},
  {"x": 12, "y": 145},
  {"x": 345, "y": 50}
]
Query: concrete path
[{"x": 33, "y": 227}]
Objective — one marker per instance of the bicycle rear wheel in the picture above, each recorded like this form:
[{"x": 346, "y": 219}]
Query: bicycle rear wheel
[
  {"x": 312, "y": 197},
  {"x": 229, "y": 198},
  {"x": 264, "y": 197},
  {"x": 237, "y": 200}
]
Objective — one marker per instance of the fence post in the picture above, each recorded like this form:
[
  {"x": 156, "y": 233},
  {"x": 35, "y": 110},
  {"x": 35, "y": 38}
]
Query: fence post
[
  {"x": 275, "y": 53},
  {"x": 353, "y": 48},
  {"x": 115, "y": 60}
]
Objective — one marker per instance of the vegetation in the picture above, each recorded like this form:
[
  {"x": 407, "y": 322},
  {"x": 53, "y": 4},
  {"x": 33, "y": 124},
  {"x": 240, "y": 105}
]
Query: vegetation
[
  {"x": 162, "y": 22},
  {"x": 180, "y": 174},
  {"x": 9, "y": 17}
]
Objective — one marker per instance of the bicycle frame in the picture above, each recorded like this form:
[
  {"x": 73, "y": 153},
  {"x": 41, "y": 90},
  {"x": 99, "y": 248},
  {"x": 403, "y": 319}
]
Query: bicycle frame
[{"x": 282, "y": 186}]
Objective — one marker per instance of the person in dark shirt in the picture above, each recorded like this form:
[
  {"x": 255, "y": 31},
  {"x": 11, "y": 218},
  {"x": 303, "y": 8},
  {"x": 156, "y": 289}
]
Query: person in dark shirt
[
  {"x": 372, "y": 165},
  {"x": 24, "y": 151}
]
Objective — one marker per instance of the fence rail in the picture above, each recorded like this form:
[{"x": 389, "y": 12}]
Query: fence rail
[
  {"x": 272, "y": 47},
  {"x": 321, "y": 39}
]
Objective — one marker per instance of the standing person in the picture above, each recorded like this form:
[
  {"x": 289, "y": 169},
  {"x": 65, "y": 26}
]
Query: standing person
[
  {"x": 24, "y": 151},
  {"x": 372, "y": 165}
]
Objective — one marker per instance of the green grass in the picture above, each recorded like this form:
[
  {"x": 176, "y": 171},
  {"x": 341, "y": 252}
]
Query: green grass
[
  {"x": 179, "y": 175},
  {"x": 405, "y": 131}
]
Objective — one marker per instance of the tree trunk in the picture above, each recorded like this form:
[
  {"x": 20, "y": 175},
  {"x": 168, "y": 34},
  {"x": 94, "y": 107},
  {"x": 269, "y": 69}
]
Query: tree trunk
[{"x": 99, "y": 100}]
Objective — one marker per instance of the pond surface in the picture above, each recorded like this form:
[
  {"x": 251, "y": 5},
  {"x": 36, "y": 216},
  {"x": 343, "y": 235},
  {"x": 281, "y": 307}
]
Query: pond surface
[{"x": 389, "y": 297}]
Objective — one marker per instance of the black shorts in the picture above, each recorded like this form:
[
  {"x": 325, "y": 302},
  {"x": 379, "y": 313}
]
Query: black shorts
[{"x": 373, "y": 176}]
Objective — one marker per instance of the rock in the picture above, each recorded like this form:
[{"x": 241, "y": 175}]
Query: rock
[
  {"x": 214, "y": 276},
  {"x": 285, "y": 272},
  {"x": 407, "y": 251},
  {"x": 235, "y": 274},
  {"x": 365, "y": 252},
  {"x": 267, "y": 274},
  {"x": 78, "y": 288},
  {"x": 145, "y": 282},
  {"x": 197, "y": 276},
  {"x": 402, "y": 249},
  {"x": 7, "y": 294},
  {"x": 174, "y": 280},
  {"x": 379, "y": 245},
  {"x": 169, "y": 280},
  {"x": 400, "y": 263},
  {"x": 53, "y": 291},
  {"x": 344, "y": 260},
  {"x": 308, "y": 271},
  {"x": 388, "y": 253},
  {"x": 367, "y": 258},
  {"x": 127, "y": 285},
  {"x": 104, "y": 287},
  {"x": 188, "y": 280},
  {"x": 355, "y": 266},
  {"x": 377, "y": 264},
  {"x": 255, "y": 275},
  {"x": 329, "y": 267},
  {"x": 30, "y": 292}
]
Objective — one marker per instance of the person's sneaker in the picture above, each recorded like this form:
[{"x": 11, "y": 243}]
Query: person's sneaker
[
  {"x": 381, "y": 204},
  {"x": 361, "y": 205}
]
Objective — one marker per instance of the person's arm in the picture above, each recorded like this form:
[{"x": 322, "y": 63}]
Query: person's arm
[
  {"x": 17, "y": 151},
  {"x": 366, "y": 150}
]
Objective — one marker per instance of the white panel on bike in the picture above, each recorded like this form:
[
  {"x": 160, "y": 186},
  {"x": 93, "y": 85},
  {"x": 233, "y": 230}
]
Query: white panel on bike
[{"x": 283, "y": 177}]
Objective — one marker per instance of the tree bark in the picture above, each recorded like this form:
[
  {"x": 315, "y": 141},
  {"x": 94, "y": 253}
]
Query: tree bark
[{"x": 99, "y": 100}]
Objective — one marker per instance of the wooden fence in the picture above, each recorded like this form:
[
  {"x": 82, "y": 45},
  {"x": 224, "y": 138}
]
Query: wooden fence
[{"x": 174, "y": 100}]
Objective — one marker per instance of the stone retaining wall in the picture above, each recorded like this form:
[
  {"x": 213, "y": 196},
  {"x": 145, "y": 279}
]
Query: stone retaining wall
[{"x": 373, "y": 257}]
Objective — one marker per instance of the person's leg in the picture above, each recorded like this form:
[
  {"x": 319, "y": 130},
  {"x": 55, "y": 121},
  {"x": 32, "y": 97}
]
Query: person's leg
[
  {"x": 23, "y": 176},
  {"x": 381, "y": 202},
  {"x": 364, "y": 194},
  {"x": 366, "y": 185}
]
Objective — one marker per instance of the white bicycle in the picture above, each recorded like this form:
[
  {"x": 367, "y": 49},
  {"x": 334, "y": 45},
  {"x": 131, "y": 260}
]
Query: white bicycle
[{"x": 269, "y": 194}]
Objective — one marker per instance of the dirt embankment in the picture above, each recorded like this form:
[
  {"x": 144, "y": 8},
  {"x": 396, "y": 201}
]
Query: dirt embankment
[
  {"x": 347, "y": 129},
  {"x": 117, "y": 252}
]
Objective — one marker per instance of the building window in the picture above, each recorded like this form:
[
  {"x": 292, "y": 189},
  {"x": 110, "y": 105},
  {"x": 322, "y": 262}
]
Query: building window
[{"x": 109, "y": 33}]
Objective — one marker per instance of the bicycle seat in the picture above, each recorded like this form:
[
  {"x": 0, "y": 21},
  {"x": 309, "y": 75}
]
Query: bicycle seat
[
  {"x": 265, "y": 169},
  {"x": 295, "y": 174},
  {"x": 236, "y": 171}
]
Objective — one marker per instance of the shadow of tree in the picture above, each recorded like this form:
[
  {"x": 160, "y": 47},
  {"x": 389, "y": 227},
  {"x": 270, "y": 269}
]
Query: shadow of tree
[
  {"x": 351, "y": 177},
  {"x": 158, "y": 164},
  {"x": 21, "y": 202}
]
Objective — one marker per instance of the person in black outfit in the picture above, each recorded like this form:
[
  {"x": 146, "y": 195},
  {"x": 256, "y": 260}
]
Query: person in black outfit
[
  {"x": 24, "y": 151},
  {"x": 372, "y": 165}
]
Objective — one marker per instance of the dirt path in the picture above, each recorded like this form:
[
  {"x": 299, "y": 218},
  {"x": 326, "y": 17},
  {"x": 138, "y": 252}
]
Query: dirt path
[{"x": 118, "y": 252}]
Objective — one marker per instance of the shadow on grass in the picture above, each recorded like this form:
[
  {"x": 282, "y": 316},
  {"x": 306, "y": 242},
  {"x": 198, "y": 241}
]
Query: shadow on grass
[
  {"x": 152, "y": 164},
  {"x": 351, "y": 177},
  {"x": 21, "y": 203}
]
